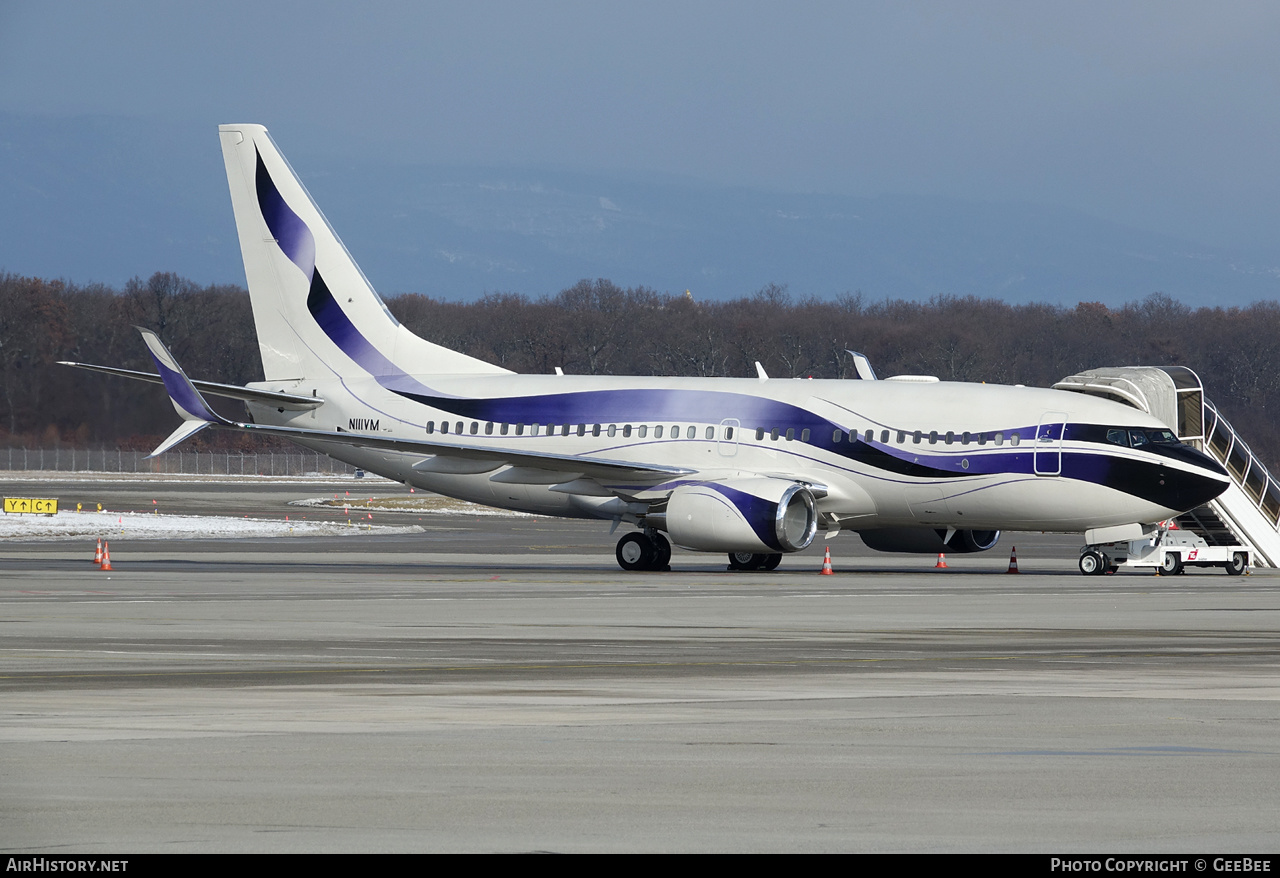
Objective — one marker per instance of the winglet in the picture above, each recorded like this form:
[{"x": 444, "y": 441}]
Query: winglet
[
  {"x": 190, "y": 405},
  {"x": 863, "y": 366}
]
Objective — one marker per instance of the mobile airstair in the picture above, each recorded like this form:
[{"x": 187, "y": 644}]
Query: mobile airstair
[{"x": 1248, "y": 512}]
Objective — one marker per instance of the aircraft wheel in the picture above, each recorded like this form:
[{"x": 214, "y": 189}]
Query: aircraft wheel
[
  {"x": 661, "y": 553},
  {"x": 771, "y": 562},
  {"x": 1172, "y": 564},
  {"x": 745, "y": 561},
  {"x": 635, "y": 552},
  {"x": 1238, "y": 563},
  {"x": 1091, "y": 563}
]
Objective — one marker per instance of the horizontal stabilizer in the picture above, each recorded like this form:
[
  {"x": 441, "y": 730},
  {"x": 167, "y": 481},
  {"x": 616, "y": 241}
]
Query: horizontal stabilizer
[
  {"x": 287, "y": 401},
  {"x": 185, "y": 430}
]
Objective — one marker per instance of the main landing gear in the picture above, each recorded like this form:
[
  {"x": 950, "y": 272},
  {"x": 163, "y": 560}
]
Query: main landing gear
[
  {"x": 650, "y": 550},
  {"x": 644, "y": 550},
  {"x": 748, "y": 561}
]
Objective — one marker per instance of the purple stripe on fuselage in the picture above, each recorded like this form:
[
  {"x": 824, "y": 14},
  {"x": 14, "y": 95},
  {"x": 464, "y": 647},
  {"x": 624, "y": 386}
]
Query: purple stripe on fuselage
[{"x": 635, "y": 405}]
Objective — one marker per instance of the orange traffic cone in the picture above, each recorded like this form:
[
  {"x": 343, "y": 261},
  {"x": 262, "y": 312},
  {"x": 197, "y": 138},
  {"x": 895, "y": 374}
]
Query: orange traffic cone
[
  {"x": 97, "y": 554},
  {"x": 826, "y": 564},
  {"x": 1013, "y": 561},
  {"x": 942, "y": 562},
  {"x": 106, "y": 557}
]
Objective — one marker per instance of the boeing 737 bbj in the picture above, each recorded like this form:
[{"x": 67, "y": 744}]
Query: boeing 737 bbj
[{"x": 752, "y": 467}]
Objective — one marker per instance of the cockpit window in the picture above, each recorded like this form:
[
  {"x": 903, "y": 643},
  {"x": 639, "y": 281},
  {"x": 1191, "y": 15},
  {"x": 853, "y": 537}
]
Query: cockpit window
[{"x": 1135, "y": 437}]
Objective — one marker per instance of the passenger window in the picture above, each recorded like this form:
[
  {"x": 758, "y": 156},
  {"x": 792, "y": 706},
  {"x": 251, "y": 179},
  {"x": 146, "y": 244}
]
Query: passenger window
[
  {"x": 564, "y": 430},
  {"x": 457, "y": 428},
  {"x": 791, "y": 433},
  {"x": 933, "y": 437},
  {"x": 595, "y": 429},
  {"x": 431, "y": 427},
  {"x": 982, "y": 438},
  {"x": 804, "y": 435},
  {"x": 444, "y": 426},
  {"x": 519, "y": 429},
  {"x": 488, "y": 428},
  {"x": 773, "y": 434},
  {"x": 902, "y": 437},
  {"x": 916, "y": 437},
  {"x": 951, "y": 437},
  {"x": 626, "y": 431},
  {"x": 884, "y": 437},
  {"x": 866, "y": 437},
  {"x": 711, "y": 432},
  {"x": 642, "y": 430},
  {"x": 728, "y": 432},
  {"x": 475, "y": 428},
  {"x": 533, "y": 431},
  {"x": 999, "y": 438},
  {"x": 657, "y": 432},
  {"x": 504, "y": 428},
  {"x": 582, "y": 429},
  {"x": 690, "y": 432},
  {"x": 613, "y": 430},
  {"x": 964, "y": 438},
  {"x": 675, "y": 431},
  {"x": 1015, "y": 438},
  {"x": 837, "y": 436}
]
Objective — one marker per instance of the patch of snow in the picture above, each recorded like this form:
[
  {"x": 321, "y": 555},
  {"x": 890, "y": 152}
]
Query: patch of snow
[{"x": 140, "y": 525}]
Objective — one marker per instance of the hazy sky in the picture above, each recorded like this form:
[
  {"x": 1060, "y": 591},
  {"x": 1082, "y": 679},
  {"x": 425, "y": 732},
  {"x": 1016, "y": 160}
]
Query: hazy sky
[{"x": 1160, "y": 115}]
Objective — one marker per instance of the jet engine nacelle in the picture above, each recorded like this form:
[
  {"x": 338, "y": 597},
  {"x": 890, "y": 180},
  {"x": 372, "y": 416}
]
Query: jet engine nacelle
[
  {"x": 744, "y": 515},
  {"x": 927, "y": 540}
]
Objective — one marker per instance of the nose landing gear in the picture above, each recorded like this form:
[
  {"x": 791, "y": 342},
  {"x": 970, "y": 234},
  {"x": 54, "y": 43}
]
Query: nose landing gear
[{"x": 1094, "y": 562}]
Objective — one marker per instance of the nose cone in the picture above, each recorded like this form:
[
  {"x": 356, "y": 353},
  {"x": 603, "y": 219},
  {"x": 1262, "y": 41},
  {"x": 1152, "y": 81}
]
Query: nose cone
[
  {"x": 1182, "y": 480},
  {"x": 1188, "y": 489}
]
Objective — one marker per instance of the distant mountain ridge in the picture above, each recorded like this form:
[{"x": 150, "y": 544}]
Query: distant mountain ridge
[{"x": 102, "y": 199}]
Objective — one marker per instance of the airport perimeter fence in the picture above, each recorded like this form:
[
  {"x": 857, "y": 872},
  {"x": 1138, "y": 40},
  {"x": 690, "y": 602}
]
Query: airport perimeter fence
[{"x": 216, "y": 463}]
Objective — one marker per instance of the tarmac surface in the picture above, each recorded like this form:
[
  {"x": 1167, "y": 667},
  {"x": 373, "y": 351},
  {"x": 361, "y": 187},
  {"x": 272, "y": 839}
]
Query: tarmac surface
[{"x": 498, "y": 684}]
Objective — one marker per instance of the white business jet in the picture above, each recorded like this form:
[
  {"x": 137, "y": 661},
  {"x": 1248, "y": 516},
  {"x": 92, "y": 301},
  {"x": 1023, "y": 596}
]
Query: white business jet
[{"x": 752, "y": 467}]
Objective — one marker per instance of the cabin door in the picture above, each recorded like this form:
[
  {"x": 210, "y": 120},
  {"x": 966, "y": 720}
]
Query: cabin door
[
  {"x": 1048, "y": 444},
  {"x": 728, "y": 444}
]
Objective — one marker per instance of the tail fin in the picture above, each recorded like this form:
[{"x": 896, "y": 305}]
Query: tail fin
[{"x": 314, "y": 310}]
